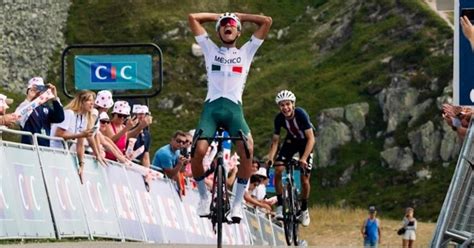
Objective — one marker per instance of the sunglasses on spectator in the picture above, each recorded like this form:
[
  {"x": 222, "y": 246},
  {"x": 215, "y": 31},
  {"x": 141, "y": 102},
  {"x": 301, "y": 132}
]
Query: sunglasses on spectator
[
  {"x": 104, "y": 122},
  {"x": 229, "y": 21},
  {"x": 121, "y": 116},
  {"x": 183, "y": 142}
]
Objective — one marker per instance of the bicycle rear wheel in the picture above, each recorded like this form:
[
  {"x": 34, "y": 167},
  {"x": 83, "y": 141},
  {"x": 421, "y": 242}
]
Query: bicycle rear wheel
[
  {"x": 219, "y": 204},
  {"x": 288, "y": 216}
]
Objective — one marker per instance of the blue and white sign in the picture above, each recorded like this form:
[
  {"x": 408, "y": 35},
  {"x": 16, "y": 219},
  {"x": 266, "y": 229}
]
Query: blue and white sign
[
  {"x": 463, "y": 86},
  {"x": 116, "y": 72}
]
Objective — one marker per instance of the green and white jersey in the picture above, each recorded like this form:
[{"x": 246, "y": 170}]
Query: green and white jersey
[{"x": 227, "y": 68}]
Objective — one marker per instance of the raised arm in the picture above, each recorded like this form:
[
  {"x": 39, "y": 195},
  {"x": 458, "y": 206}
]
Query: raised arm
[
  {"x": 264, "y": 23},
  {"x": 196, "y": 20}
]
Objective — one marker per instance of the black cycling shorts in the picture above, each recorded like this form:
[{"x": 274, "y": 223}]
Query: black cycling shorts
[{"x": 289, "y": 148}]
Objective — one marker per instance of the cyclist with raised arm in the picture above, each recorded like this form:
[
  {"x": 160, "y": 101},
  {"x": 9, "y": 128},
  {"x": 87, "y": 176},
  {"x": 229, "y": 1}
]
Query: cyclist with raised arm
[
  {"x": 227, "y": 69},
  {"x": 299, "y": 139}
]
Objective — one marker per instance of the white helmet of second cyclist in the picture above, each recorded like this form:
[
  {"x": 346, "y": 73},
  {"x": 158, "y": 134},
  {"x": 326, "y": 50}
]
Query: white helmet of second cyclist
[
  {"x": 231, "y": 16},
  {"x": 285, "y": 95}
]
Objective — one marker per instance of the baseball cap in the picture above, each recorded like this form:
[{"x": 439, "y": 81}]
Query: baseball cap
[
  {"x": 104, "y": 116},
  {"x": 4, "y": 101},
  {"x": 38, "y": 81},
  {"x": 372, "y": 209},
  {"x": 262, "y": 172}
]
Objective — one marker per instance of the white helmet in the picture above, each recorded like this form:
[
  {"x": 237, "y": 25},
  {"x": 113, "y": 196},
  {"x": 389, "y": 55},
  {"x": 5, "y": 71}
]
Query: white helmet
[
  {"x": 231, "y": 16},
  {"x": 285, "y": 95}
]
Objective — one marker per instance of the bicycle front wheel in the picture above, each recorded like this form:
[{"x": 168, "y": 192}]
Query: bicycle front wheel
[
  {"x": 288, "y": 216},
  {"x": 219, "y": 204}
]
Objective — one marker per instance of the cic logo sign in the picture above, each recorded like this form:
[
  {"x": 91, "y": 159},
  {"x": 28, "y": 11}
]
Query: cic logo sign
[{"x": 113, "y": 72}]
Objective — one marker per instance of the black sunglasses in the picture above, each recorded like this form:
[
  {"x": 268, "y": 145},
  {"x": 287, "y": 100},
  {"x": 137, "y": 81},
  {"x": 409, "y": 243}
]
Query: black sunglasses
[
  {"x": 121, "y": 116},
  {"x": 104, "y": 122}
]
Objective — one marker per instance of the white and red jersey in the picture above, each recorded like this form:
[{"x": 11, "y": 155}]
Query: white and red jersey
[{"x": 227, "y": 68}]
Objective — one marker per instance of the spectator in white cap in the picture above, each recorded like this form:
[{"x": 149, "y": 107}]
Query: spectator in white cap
[
  {"x": 104, "y": 101},
  {"x": 39, "y": 120},
  {"x": 142, "y": 133},
  {"x": 6, "y": 119},
  {"x": 119, "y": 127},
  {"x": 254, "y": 181}
]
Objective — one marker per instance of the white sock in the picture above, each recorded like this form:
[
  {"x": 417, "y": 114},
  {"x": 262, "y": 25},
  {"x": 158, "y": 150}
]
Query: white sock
[
  {"x": 239, "y": 191},
  {"x": 202, "y": 189}
]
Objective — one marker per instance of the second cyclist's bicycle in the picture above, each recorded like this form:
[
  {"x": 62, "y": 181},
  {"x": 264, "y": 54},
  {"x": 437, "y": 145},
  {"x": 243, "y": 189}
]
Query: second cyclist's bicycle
[{"x": 291, "y": 205}]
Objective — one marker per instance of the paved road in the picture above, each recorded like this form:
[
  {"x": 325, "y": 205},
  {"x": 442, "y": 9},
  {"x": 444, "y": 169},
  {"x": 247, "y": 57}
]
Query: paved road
[{"x": 104, "y": 244}]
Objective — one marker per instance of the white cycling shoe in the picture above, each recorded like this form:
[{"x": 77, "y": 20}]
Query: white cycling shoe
[
  {"x": 203, "y": 209},
  {"x": 236, "y": 213},
  {"x": 304, "y": 218}
]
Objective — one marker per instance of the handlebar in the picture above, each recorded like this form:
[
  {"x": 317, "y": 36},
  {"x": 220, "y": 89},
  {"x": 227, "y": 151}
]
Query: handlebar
[{"x": 219, "y": 138}]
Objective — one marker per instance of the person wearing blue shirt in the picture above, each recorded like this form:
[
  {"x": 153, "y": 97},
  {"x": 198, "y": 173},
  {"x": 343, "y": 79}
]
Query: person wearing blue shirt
[
  {"x": 371, "y": 229},
  {"x": 168, "y": 158}
]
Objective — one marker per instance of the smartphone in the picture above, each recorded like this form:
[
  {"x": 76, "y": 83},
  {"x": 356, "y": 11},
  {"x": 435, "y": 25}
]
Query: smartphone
[
  {"x": 41, "y": 88},
  {"x": 469, "y": 12}
]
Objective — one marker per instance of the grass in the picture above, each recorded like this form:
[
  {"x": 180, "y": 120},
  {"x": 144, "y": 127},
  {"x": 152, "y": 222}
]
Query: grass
[{"x": 340, "y": 227}]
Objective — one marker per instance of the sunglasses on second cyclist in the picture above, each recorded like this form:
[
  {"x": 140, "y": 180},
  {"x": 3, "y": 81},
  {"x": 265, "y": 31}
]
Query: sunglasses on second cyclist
[{"x": 230, "y": 21}]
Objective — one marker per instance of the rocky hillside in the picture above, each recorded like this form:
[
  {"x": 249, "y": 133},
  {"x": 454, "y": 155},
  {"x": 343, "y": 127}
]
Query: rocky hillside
[{"x": 371, "y": 73}]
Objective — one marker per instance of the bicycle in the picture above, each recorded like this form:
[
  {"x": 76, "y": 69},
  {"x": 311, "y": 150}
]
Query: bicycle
[
  {"x": 291, "y": 205},
  {"x": 220, "y": 204}
]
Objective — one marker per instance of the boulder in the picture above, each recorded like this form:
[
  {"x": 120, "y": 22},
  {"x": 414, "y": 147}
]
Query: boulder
[
  {"x": 333, "y": 113},
  {"x": 398, "y": 158},
  {"x": 332, "y": 134},
  {"x": 425, "y": 142},
  {"x": 346, "y": 176},
  {"x": 418, "y": 110},
  {"x": 396, "y": 102},
  {"x": 450, "y": 143},
  {"x": 355, "y": 114}
]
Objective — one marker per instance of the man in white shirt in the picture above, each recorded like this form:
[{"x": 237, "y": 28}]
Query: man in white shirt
[{"x": 227, "y": 69}]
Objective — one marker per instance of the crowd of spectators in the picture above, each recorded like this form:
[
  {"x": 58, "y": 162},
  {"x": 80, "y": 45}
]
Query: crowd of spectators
[{"x": 123, "y": 135}]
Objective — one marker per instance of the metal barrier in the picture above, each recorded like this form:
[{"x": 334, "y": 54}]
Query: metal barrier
[
  {"x": 41, "y": 197},
  {"x": 25, "y": 209},
  {"x": 456, "y": 218}
]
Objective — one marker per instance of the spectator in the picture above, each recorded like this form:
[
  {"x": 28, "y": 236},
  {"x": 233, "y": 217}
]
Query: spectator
[
  {"x": 409, "y": 223},
  {"x": 39, "y": 120},
  {"x": 142, "y": 133},
  {"x": 467, "y": 30},
  {"x": 78, "y": 123},
  {"x": 168, "y": 158},
  {"x": 253, "y": 184},
  {"x": 260, "y": 192},
  {"x": 118, "y": 128},
  {"x": 457, "y": 118},
  {"x": 104, "y": 101},
  {"x": 6, "y": 119},
  {"x": 370, "y": 230}
]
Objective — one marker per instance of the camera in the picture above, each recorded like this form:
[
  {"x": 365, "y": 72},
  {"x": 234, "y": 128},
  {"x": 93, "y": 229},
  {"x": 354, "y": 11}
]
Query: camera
[{"x": 184, "y": 152}]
